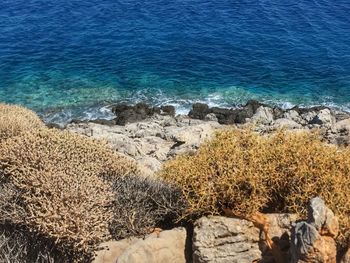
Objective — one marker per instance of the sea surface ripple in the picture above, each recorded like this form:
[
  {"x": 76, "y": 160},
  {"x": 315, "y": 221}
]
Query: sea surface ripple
[{"x": 71, "y": 58}]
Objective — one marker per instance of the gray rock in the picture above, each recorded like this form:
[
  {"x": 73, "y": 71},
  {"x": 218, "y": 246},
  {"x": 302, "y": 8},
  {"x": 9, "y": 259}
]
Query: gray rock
[
  {"x": 155, "y": 140},
  {"x": 308, "y": 116},
  {"x": 284, "y": 123},
  {"x": 322, "y": 218},
  {"x": 148, "y": 165},
  {"x": 323, "y": 118},
  {"x": 293, "y": 115},
  {"x": 192, "y": 135},
  {"x": 141, "y": 111},
  {"x": 199, "y": 111},
  {"x": 168, "y": 246},
  {"x": 211, "y": 117},
  {"x": 304, "y": 237},
  {"x": 312, "y": 241},
  {"x": 342, "y": 126},
  {"x": 263, "y": 115},
  {"x": 224, "y": 115},
  {"x": 339, "y": 133},
  {"x": 280, "y": 224},
  {"x": 222, "y": 239}
]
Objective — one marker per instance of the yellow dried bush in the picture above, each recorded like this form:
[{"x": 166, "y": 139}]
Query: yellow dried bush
[
  {"x": 16, "y": 119},
  {"x": 247, "y": 173},
  {"x": 59, "y": 176}
]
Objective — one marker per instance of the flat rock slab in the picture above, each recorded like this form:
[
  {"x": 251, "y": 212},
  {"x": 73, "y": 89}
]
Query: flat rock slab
[
  {"x": 111, "y": 250},
  {"x": 168, "y": 246}
]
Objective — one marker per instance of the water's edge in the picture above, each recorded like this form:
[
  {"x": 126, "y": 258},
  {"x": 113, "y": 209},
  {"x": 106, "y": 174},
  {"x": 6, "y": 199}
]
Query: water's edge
[{"x": 105, "y": 114}]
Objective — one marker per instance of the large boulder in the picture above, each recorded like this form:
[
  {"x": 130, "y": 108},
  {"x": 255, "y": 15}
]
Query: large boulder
[
  {"x": 309, "y": 246},
  {"x": 128, "y": 113},
  {"x": 293, "y": 115},
  {"x": 224, "y": 115},
  {"x": 322, "y": 218},
  {"x": 323, "y": 118},
  {"x": 168, "y": 246},
  {"x": 343, "y": 126},
  {"x": 339, "y": 133},
  {"x": 313, "y": 240},
  {"x": 188, "y": 139},
  {"x": 263, "y": 115},
  {"x": 199, "y": 111},
  {"x": 221, "y": 239}
]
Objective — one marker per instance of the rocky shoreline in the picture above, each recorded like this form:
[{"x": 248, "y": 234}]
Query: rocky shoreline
[
  {"x": 123, "y": 209},
  {"x": 151, "y": 135}
]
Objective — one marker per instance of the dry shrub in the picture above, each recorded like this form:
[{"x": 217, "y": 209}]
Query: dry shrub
[
  {"x": 141, "y": 204},
  {"x": 16, "y": 247},
  {"x": 16, "y": 119},
  {"x": 247, "y": 172},
  {"x": 12, "y": 248},
  {"x": 58, "y": 176}
]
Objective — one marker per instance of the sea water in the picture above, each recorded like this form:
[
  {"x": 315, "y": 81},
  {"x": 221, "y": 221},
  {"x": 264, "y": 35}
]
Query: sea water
[{"x": 72, "y": 59}]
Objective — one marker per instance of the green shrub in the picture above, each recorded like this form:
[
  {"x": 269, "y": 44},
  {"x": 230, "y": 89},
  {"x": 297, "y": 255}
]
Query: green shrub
[
  {"x": 15, "y": 119},
  {"x": 141, "y": 204},
  {"x": 247, "y": 173}
]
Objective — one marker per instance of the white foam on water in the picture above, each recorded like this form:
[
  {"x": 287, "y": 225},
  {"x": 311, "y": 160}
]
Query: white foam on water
[{"x": 232, "y": 97}]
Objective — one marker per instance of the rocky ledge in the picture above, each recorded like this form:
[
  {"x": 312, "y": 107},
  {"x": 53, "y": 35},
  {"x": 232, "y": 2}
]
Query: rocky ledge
[
  {"x": 223, "y": 240},
  {"x": 152, "y": 135}
]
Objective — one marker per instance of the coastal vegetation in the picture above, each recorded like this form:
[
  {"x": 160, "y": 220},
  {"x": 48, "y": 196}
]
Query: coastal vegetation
[
  {"x": 14, "y": 120},
  {"x": 67, "y": 193},
  {"x": 61, "y": 187},
  {"x": 245, "y": 172}
]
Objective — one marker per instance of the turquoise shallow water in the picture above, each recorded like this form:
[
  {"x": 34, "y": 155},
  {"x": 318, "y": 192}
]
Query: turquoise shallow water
[{"x": 70, "y": 59}]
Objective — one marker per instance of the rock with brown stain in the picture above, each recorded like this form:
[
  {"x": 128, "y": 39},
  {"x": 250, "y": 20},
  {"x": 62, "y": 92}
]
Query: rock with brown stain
[{"x": 313, "y": 241}]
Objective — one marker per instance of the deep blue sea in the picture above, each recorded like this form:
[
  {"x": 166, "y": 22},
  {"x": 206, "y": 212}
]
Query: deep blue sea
[{"x": 72, "y": 58}]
